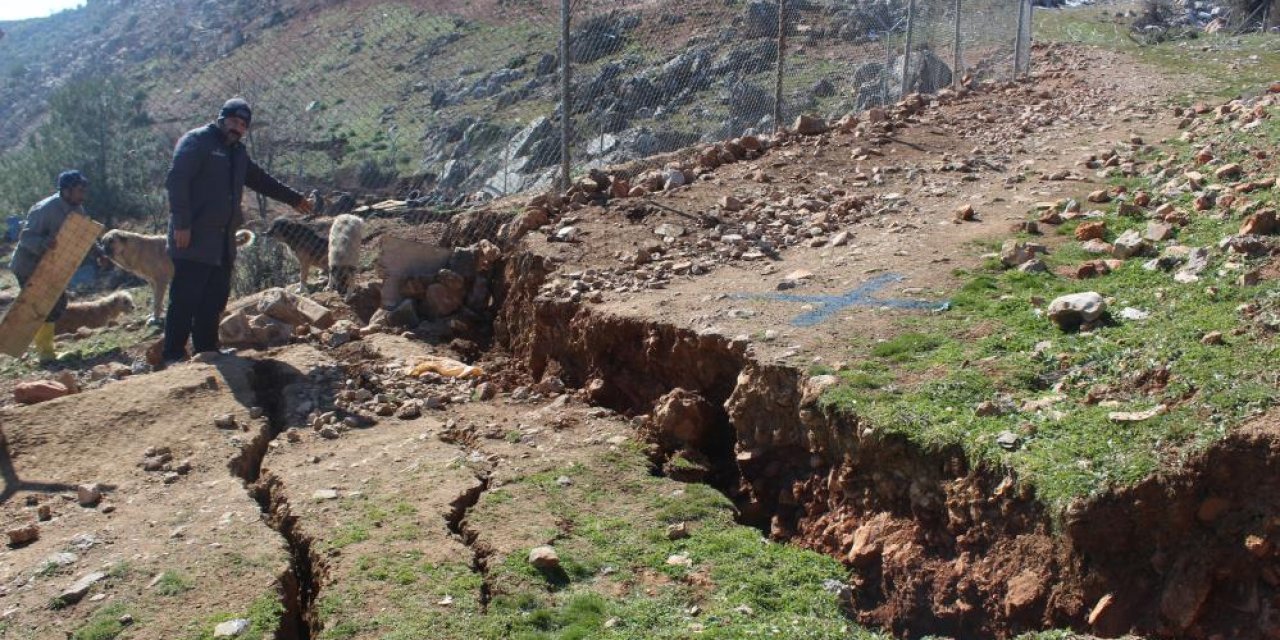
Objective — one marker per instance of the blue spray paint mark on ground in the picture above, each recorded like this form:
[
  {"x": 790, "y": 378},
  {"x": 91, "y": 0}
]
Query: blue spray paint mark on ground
[{"x": 863, "y": 296}]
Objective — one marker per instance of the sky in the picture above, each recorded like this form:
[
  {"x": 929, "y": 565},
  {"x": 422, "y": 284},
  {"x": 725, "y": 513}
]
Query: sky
[{"x": 23, "y": 9}]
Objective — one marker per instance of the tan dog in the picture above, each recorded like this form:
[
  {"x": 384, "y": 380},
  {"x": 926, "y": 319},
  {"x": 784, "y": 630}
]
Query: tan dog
[
  {"x": 94, "y": 313},
  {"x": 145, "y": 256}
]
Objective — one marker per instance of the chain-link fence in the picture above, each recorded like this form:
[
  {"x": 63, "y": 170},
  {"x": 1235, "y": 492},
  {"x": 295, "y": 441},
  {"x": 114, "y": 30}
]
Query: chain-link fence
[{"x": 411, "y": 109}]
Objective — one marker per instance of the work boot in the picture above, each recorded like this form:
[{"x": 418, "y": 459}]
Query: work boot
[{"x": 44, "y": 344}]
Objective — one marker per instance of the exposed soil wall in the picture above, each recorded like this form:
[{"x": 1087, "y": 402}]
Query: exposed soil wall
[{"x": 934, "y": 545}]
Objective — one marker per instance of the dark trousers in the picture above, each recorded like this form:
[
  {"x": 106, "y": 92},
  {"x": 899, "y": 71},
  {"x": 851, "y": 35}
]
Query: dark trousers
[{"x": 197, "y": 297}]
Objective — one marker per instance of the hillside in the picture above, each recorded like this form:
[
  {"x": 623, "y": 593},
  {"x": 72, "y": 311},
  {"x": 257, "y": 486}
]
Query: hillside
[{"x": 454, "y": 97}]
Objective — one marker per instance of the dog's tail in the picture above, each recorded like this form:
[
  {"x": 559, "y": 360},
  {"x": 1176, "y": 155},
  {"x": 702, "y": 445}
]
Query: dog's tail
[{"x": 245, "y": 238}]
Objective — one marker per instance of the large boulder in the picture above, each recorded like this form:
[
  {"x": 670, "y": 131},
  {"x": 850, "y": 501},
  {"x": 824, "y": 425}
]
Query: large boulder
[{"x": 928, "y": 74}]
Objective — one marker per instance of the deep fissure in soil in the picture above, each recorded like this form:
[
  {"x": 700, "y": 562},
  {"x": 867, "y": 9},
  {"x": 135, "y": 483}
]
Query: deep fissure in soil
[
  {"x": 300, "y": 585},
  {"x": 935, "y": 545},
  {"x": 480, "y": 553}
]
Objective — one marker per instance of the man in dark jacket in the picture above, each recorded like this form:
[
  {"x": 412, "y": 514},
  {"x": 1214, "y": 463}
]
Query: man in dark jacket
[{"x": 205, "y": 183}]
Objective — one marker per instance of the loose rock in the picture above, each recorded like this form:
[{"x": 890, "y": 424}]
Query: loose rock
[{"x": 1071, "y": 311}]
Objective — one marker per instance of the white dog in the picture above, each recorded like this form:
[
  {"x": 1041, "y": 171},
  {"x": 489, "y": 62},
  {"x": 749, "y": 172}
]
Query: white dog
[{"x": 345, "y": 236}]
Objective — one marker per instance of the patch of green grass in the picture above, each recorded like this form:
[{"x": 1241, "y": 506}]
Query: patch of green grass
[
  {"x": 996, "y": 345},
  {"x": 104, "y": 624},
  {"x": 349, "y": 534},
  {"x": 614, "y": 561},
  {"x": 906, "y": 346},
  {"x": 173, "y": 583},
  {"x": 1220, "y": 64},
  {"x": 264, "y": 615}
]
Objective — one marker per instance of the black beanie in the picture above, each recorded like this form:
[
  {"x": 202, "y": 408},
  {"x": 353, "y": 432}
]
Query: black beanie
[{"x": 237, "y": 108}]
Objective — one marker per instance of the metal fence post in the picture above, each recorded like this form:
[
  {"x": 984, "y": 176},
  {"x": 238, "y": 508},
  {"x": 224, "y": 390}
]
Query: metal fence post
[
  {"x": 782, "y": 48},
  {"x": 906, "y": 53},
  {"x": 564, "y": 94},
  {"x": 1017, "y": 43},
  {"x": 957, "y": 69},
  {"x": 1031, "y": 12}
]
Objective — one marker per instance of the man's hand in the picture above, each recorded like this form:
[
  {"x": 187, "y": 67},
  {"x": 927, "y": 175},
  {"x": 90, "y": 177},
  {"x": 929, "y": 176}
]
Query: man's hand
[
  {"x": 304, "y": 207},
  {"x": 182, "y": 238}
]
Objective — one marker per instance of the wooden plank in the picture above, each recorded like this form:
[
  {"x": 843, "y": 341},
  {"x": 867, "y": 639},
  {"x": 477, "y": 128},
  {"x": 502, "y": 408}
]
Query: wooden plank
[{"x": 50, "y": 279}]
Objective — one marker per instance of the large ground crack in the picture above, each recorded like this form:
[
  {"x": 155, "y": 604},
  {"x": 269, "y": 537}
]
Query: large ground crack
[
  {"x": 300, "y": 585},
  {"x": 460, "y": 527}
]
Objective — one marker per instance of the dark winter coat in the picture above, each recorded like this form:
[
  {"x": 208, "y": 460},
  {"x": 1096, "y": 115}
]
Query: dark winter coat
[{"x": 206, "y": 183}]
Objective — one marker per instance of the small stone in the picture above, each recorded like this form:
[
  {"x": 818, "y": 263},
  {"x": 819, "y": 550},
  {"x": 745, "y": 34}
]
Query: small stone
[
  {"x": 1091, "y": 231},
  {"x": 1212, "y": 338},
  {"x": 486, "y": 391},
  {"x": 23, "y": 535},
  {"x": 39, "y": 391},
  {"x": 544, "y": 558},
  {"x": 677, "y": 531},
  {"x": 225, "y": 421},
  {"x": 1158, "y": 231},
  {"x": 730, "y": 203},
  {"x": 231, "y": 628},
  {"x": 44, "y": 513},
  {"x": 1130, "y": 313},
  {"x": 1129, "y": 244},
  {"x": 1100, "y": 196},
  {"x": 321, "y": 495},
  {"x": 809, "y": 125},
  {"x": 567, "y": 234},
  {"x": 1071, "y": 311},
  {"x": 329, "y": 433},
  {"x": 76, "y": 592},
  {"x": 965, "y": 213},
  {"x": 1261, "y": 223},
  {"x": 679, "y": 560},
  {"x": 1227, "y": 172},
  {"x": 986, "y": 408},
  {"x": 88, "y": 495},
  {"x": 668, "y": 230},
  {"x": 1033, "y": 266},
  {"x": 409, "y": 411},
  {"x": 1008, "y": 440},
  {"x": 1015, "y": 252}
]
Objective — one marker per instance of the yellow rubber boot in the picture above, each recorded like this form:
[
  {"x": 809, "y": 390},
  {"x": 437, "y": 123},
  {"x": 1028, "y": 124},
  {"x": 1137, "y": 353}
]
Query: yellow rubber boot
[{"x": 44, "y": 343}]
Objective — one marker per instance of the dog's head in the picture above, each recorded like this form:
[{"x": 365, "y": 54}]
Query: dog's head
[
  {"x": 109, "y": 244},
  {"x": 279, "y": 228},
  {"x": 122, "y": 301}
]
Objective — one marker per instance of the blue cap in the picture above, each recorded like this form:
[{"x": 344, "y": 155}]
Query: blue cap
[
  {"x": 236, "y": 108},
  {"x": 71, "y": 178}
]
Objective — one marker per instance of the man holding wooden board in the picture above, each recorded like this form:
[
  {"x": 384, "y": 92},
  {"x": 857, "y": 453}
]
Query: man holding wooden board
[{"x": 39, "y": 236}]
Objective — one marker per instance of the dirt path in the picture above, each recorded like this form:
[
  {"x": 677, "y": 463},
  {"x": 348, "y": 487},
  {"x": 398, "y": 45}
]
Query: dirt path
[{"x": 994, "y": 150}]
